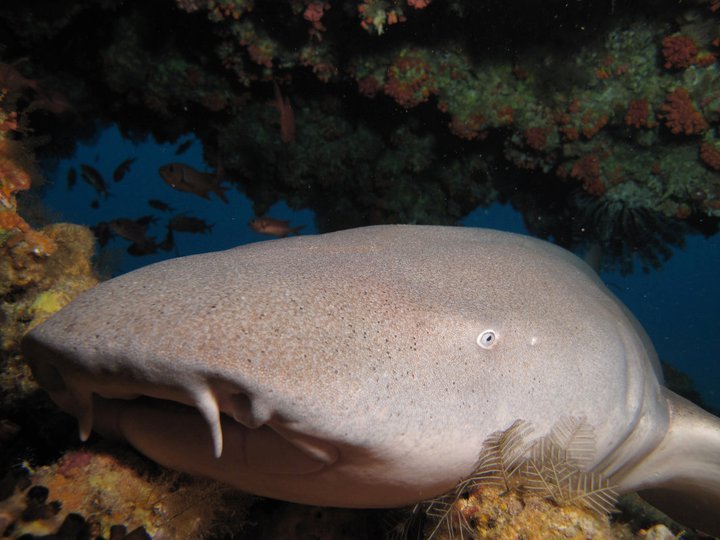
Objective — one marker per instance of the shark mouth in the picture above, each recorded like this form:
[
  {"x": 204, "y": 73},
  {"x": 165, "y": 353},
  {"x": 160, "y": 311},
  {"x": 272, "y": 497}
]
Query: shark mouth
[{"x": 206, "y": 420}]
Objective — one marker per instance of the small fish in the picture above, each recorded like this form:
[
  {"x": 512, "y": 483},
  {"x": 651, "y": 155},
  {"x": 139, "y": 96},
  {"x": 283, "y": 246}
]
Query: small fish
[
  {"x": 184, "y": 178},
  {"x": 122, "y": 169},
  {"x": 102, "y": 232},
  {"x": 93, "y": 177},
  {"x": 160, "y": 205},
  {"x": 189, "y": 224},
  {"x": 273, "y": 227},
  {"x": 146, "y": 221},
  {"x": 287, "y": 116},
  {"x": 147, "y": 246},
  {"x": 169, "y": 242},
  {"x": 95, "y": 204},
  {"x": 71, "y": 178},
  {"x": 134, "y": 230},
  {"x": 184, "y": 147}
]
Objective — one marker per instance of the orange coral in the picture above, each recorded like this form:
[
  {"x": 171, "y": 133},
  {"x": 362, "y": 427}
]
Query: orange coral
[
  {"x": 611, "y": 68},
  {"x": 12, "y": 180},
  {"x": 470, "y": 128},
  {"x": 10, "y": 220},
  {"x": 505, "y": 115},
  {"x": 22, "y": 250},
  {"x": 572, "y": 124},
  {"x": 683, "y": 211},
  {"x": 410, "y": 80},
  {"x": 587, "y": 169},
  {"x": 9, "y": 122},
  {"x": 638, "y": 114},
  {"x": 602, "y": 74},
  {"x": 710, "y": 155},
  {"x": 261, "y": 54},
  {"x": 227, "y": 9},
  {"x": 314, "y": 13},
  {"x": 112, "y": 486},
  {"x": 38, "y": 244},
  {"x": 680, "y": 114},
  {"x": 592, "y": 125},
  {"x": 570, "y": 132},
  {"x": 374, "y": 19},
  {"x": 536, "y": 138},
  {"x": 705, "y": 59},
  {"x": 419, "y": 4},
  {"x": 680, "y": 51},
  {"x": 369, "y": 86}
]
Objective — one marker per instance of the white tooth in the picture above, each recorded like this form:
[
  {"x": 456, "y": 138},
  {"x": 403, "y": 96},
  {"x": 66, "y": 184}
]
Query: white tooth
[
  {"x": 84, "y": 413},
  {"x": 208, "y": 407}
]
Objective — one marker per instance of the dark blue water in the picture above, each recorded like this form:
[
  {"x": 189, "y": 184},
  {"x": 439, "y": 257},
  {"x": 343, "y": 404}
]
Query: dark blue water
[{"x": 678, "y": 305}]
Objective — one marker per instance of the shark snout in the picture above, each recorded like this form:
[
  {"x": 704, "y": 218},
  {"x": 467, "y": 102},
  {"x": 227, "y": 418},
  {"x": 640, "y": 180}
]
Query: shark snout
[
  {"x": 219, "y": 420},
  {"x": 47, "y": 375}
]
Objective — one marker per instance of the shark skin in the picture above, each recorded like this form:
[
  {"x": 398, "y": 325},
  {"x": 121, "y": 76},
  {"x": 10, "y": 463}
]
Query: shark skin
[{"x": 367, "y": 367}]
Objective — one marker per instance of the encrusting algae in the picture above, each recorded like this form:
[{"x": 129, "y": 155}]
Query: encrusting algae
[{"x": 36, "y": 285}]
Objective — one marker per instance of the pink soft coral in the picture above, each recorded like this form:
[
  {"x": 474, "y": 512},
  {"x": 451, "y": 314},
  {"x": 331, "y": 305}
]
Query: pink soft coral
[
  {"x": 680, "y": 51},
  {"x": 680, "y": 114}
]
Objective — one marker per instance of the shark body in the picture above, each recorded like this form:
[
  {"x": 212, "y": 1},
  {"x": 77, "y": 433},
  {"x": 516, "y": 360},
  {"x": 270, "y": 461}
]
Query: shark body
[{"x": 366, "y": 368}]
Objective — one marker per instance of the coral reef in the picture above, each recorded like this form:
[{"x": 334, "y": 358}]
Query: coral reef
[
  {"x": 681, "y": 115},
  {"x": 550, "y": 468},
  {"x": 599, "y": 121},
  {"x": 710, "y": 154},
  {"x": 493, "y": 513},
  {"x": 38, "y": 281},
  {"x": 536, "y": 490},
  {"x": 40, "y": 269},
  {"x": 107, "y": 490},
  {"x": 482, "y": 91},
  {"x": 680, "y": 51}
]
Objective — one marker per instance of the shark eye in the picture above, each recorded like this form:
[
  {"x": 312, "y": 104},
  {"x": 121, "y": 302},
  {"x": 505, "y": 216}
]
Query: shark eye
[{"x": 487, "y": 339}]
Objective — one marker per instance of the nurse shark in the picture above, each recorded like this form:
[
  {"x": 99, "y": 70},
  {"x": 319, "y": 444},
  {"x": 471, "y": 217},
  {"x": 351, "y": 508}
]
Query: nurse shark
[{"x": 369, "y": 367}]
